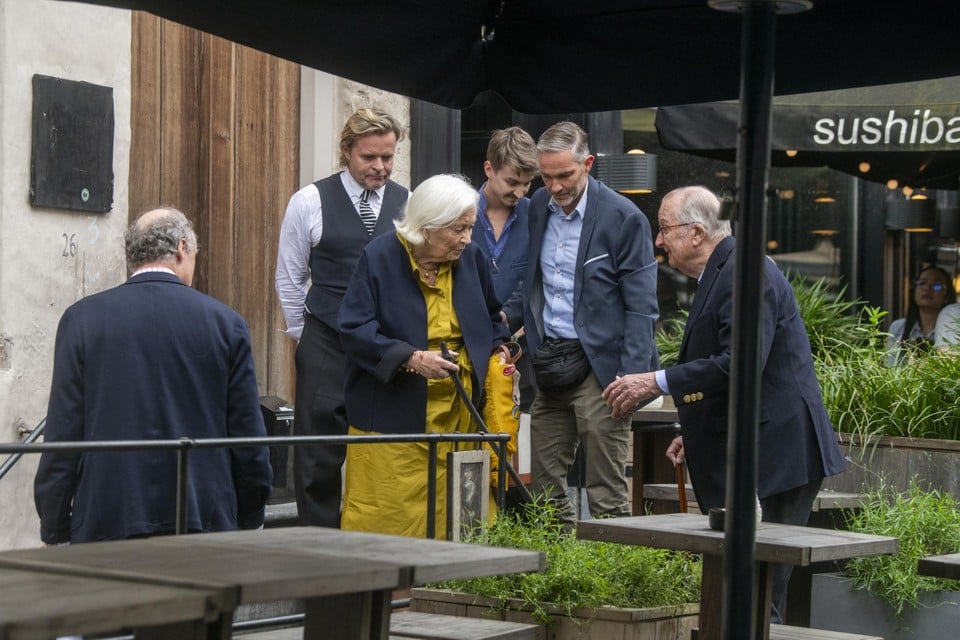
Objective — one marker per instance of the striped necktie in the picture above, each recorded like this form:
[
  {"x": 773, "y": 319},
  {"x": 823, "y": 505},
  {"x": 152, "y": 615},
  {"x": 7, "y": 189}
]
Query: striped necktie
[{"x": 366, "y": 212}]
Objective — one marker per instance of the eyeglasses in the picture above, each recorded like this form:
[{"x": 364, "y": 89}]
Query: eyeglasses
[
  {"x": 936, "y": 286},
  {"x": 664, "y": 228}
]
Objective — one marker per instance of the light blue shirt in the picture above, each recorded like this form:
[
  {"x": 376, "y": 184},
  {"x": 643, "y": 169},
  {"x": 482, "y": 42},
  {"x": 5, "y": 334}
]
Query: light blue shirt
[{"x": 558, "y": 264}]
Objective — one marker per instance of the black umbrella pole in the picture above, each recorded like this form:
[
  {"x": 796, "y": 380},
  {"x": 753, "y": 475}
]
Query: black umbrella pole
[
  {"x": 482, "y": 428},
  {"x": 740, "y": 620}
]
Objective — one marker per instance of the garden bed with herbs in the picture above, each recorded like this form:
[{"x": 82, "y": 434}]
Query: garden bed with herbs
[{"x": 581, "y": 577}]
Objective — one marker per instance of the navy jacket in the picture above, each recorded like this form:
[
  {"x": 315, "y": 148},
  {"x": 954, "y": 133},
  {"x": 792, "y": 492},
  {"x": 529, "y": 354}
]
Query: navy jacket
[
  {"x": 383, "y": 320},
  {"x": 797, "y": 444},
  {"x": 151, "y": 359},
  {"x": 615, "y": 286}
]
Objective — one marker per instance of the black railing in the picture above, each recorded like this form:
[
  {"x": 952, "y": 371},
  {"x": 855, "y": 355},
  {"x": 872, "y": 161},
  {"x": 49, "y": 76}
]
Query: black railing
[
  {"x": 183, "y": 446},
  {"x": 32, "y": 436}
]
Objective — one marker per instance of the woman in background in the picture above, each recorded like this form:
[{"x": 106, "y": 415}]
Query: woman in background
[
  {"x": 412, "y": 290},
  {"x": 932, "y": 291}
]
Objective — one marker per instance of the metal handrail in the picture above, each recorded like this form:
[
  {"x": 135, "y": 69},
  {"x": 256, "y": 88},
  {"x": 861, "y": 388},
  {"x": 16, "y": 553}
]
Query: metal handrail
[
  {"x": 32, "y": 436},
  {"x": 184, "y": 445}
]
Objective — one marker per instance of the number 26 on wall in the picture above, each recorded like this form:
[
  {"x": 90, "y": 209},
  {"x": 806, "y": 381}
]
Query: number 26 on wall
[{"x": 69, "y": 245}]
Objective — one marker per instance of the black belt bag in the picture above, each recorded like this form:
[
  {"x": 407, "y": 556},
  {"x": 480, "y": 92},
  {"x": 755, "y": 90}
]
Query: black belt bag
[{"x": 560, "y": 364}]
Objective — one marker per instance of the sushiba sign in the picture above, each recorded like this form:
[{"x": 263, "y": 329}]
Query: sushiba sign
[
  {"x": 903, "y": 130},
  {"x": 818, "y": 128}
]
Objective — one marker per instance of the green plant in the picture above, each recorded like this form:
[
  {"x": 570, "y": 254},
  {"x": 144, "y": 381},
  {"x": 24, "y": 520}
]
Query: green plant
[
  {"x": 926, "y": 522},
  {"x": 668, "y": 337},
  {"x": 837, "y": 330},
  {"x": 581, "y": 573}
]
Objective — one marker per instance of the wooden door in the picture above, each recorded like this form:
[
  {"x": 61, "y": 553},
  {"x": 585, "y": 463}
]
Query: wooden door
[{"x": 215, "y": 133}]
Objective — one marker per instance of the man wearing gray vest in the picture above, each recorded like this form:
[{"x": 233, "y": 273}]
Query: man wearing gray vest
[{"x": 326, "y": 226}]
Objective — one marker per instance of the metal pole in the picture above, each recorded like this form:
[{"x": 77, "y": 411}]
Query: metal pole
[
  {"x": 753, "y": 160},
  {"x": 432, "y": 491},
  {"x": 183, "y": 479}
]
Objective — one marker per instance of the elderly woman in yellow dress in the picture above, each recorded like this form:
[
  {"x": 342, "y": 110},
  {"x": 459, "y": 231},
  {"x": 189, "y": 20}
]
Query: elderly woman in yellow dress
[{"x": 412, "y": 290}]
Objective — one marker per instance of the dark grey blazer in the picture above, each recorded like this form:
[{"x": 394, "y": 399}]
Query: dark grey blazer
[
  {"x": 615, "y": 286},
  {"x": 797, "y": 444}
]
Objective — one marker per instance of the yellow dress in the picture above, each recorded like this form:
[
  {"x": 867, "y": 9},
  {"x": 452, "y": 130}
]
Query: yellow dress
[{"x": 385, "y": 488}]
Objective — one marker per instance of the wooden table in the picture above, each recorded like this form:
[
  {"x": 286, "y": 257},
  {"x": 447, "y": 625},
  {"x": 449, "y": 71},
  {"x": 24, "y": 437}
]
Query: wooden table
[
  {"x": 40, "y": 605},
  {"x": 345, "y": 578},
  {"x": 775, "y": 543},
  {"x": 947, "y": 566}
]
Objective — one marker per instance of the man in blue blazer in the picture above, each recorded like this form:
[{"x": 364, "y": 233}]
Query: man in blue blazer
[
  {"x": 151, "y": 359},
  {"x": 590, "y": 291},
  {"x": 797, "y": 445}
]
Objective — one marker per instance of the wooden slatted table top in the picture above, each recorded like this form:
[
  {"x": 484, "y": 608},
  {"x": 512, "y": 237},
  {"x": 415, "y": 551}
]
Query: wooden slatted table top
[
  {"x": 43, "y": 605},
  {"x": 238, "y": 572},
  {"x": 426, "y": 560},
  {"x": 947, "y": 566},
  {"x": 798, "y": 546}
]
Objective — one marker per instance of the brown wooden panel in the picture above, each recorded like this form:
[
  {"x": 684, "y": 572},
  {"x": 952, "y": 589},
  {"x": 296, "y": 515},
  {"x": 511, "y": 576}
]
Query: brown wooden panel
[
  {"x": 179, "y": 126},
  {"x": 144, "y": 187},
  {"x": 267, "y": 174},
  {"x": 216, "y": 134},
  {"x": 219, "y": 164}
]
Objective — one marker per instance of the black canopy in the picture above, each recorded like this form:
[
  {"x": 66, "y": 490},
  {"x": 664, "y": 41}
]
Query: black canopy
[
  {"x": 909, "y": 132},
  {"x": 558, "y": 56}
]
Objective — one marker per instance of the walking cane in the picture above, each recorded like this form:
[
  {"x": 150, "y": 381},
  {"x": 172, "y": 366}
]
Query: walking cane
[
  {"x": 482, "y": 427},
  {"x": 681, "y": 487}
]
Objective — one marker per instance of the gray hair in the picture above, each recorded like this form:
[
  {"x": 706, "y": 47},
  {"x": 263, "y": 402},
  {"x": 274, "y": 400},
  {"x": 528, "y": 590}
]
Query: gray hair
[
  {"x": 565, "y": 136},
  {"x": 699, "y": 205},
  {"x": 155, "y": 236},
  {"x": 434, "y": 204}
]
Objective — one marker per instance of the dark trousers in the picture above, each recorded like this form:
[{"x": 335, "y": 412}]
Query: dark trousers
[
  {"x": 789, "y": 507},
  {"x": 319, "y": 411}
]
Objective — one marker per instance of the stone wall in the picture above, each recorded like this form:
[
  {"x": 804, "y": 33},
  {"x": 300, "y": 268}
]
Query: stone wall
[{"x": 49, "y": 258}]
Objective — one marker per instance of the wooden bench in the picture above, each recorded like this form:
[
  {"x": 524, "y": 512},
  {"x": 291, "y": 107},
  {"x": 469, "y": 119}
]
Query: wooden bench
[
  {"x": 413, "y": 625},
  {"x": 826, "y": 499},
  {"x": 786, "y": 632}
]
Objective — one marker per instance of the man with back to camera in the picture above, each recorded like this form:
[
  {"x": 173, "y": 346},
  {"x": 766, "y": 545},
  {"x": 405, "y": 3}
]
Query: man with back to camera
[
  {"x": 326, "y": 226},
  {"x": 797, "y": 444},
  {"x": 502, "y": 231},
  {"x": 151, "y": 359},
  {"x": 590, "y": 294}
]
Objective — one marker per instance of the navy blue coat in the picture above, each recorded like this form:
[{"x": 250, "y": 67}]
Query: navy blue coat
[
  {"x": 383, "y": 320},
  {"x": 615, "y": 286},
  {"x": 797, "y": 445},
  {"x": 151, "y": 359}
]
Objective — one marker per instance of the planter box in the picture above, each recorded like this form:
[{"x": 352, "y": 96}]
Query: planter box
[
  {"x": 834, "y": 606},
  {"x": 604, "y": 623},
  {"x": 895, "y": 461}
]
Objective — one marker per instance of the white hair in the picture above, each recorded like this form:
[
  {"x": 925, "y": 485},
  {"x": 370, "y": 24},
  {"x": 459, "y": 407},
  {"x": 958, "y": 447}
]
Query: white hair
[{"x": 434, "y": 204}]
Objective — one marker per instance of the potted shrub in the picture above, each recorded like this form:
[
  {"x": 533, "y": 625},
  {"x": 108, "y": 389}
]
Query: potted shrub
[
  {"x": 884, "y": 595},
  {"x": 589, "y": 590},
  {"x": 896, "y": 422}
]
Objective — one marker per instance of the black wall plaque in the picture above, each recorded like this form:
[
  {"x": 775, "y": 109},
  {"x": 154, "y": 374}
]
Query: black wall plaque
[{"x": 71, "y": 163}]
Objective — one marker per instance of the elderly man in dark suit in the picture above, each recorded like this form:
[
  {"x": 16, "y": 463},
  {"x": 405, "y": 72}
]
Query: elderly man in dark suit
[
  {"x": 797, "y": 444},
  {"x": 151, "y": 359},
  {"x": 590, "y": 296}
]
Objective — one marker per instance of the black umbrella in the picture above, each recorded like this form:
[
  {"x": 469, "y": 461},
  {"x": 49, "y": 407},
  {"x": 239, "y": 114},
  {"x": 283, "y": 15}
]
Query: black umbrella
[
  {"x": 553, "y": 56},
  {"x": 908, "y": 132}
]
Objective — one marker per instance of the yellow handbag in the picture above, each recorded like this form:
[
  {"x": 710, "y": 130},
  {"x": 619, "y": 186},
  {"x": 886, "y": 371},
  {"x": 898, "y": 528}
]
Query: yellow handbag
[{"x": 501, "y": 410}]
